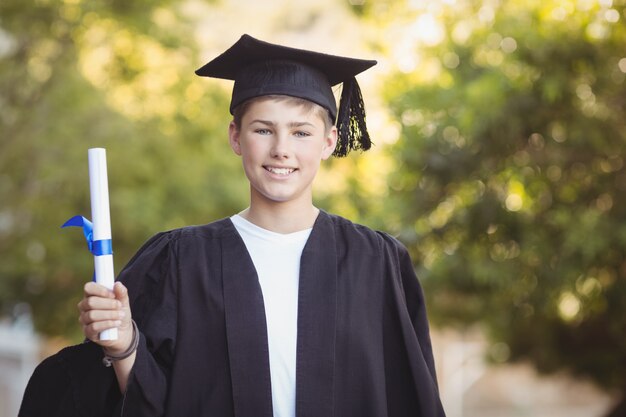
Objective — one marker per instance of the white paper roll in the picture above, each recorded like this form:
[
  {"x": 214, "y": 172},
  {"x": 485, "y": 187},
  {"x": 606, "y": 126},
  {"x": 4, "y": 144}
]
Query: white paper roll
[{"x": 101, "y": 218}]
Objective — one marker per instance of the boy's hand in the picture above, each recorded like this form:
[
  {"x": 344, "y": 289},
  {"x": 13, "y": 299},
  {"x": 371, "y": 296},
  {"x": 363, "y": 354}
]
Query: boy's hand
[{"x": 101, "y": 309}]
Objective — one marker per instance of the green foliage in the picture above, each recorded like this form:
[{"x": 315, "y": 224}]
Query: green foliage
[
  {"x": 118, "y": 75},
  {"x": 510, "y": 181}
]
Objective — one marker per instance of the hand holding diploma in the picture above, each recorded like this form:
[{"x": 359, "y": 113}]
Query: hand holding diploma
[
  {"x": 105, "y": 310},
  {"x": 99, "y": 190},
  {"x": 102, "y": 309},
  {"x": 98, "y": 233}
]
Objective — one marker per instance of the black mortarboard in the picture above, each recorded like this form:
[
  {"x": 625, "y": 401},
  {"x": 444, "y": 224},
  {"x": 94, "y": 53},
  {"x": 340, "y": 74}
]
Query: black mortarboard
[{"x": 261, "y": 68}]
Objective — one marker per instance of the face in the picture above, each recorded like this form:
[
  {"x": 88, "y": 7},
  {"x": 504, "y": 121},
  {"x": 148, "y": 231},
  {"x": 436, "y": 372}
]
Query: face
[{"x": 281, "y": 146}]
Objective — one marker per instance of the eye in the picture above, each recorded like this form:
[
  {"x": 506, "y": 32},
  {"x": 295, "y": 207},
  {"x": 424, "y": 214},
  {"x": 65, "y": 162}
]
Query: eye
[
  {"x": 263, "y": 131},
  {"x": 301, "y": 134}
]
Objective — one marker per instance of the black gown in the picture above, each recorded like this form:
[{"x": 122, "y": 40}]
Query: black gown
[{"x": 363, "y": 345}]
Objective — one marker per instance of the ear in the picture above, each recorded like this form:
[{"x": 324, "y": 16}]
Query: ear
[
  {"x": 233, "y": 138},
  {"x": 330, "y": 143}
]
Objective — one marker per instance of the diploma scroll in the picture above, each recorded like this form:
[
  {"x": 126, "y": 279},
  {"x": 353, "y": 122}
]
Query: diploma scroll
[{"x": 100, "y": 215}]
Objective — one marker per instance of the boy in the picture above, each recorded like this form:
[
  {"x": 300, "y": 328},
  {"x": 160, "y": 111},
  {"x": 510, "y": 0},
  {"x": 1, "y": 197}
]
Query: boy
[{"x": 282, "y": 310}]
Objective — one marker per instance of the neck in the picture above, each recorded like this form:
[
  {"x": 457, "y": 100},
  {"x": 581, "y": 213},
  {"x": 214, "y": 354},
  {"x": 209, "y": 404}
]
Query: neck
[{"x": 281, "y": 219}]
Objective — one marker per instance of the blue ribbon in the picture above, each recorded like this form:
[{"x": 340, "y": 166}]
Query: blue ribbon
[{"x": 97, "y": 247}]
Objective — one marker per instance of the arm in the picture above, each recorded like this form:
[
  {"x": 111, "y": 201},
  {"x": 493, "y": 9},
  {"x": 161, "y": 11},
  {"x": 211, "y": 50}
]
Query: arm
[
  {"x": 101, "y": 309},
  {"x": 416, "y": 306},
  {"x": 410, "y": 308},
  {"x": 148, "y": 286}
]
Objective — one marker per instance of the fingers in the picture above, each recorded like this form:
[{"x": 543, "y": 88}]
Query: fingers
[
  {"x": 92, "y": 331},
  {"x": 121, "y": 294},
  {"x": 98, "y": 303},
  {"x": 102, "y": 309},
  {"x": 114, "y": 316},
  {"x": 94, "y": 289},
  {"x": 99, "y": 314}
]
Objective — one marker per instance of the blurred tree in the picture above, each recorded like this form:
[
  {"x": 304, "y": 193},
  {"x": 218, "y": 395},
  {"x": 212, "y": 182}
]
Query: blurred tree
[
  {"x": 115, "y": 74},
  {"x": 510, "y": 182}
]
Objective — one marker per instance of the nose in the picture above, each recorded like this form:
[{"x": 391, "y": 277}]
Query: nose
[{"x": 280, "y": 146}]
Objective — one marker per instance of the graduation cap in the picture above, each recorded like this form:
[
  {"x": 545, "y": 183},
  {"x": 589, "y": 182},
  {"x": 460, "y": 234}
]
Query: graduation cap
[{"x": 260, "y": 68}]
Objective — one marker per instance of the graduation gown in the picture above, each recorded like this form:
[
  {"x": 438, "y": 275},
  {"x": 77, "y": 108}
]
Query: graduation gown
[
  {"x": 363, "y": 346},
  {"x": 72, "y": 383}
]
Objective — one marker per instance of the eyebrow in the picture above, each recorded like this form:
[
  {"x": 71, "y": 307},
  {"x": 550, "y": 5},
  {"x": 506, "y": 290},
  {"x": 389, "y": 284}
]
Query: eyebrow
[{"x": 290, "y": 124}]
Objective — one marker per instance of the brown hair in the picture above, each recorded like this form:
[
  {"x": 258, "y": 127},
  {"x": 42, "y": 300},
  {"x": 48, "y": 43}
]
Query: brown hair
[{"x": 309, "y": 106}]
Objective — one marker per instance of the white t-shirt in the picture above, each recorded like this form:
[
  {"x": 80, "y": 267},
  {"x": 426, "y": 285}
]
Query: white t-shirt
[{"x": 276, "y": 258}]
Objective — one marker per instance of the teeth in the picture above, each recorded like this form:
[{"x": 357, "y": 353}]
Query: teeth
[{"x": 280, "y": 171}]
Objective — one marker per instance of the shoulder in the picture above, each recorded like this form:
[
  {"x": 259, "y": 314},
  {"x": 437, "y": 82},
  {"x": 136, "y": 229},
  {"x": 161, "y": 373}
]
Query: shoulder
[
  {"x": 217, "y": 229},
  {"x": 166, "y": 247},
  {"x": 174, "y": 237},
  {"x": 350, "y": 232}
]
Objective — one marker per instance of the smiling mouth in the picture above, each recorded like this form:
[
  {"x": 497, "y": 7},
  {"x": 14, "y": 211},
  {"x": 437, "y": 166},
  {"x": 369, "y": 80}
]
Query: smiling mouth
[{"x": 279, "y": 171}]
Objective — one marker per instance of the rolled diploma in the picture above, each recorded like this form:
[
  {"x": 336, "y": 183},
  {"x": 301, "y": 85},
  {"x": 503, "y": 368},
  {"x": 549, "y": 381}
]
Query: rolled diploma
[{"x": 101, "y": 218}]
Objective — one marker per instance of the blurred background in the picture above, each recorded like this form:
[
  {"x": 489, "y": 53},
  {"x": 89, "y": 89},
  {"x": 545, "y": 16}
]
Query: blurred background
[{"x": 499, "y": 130}]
